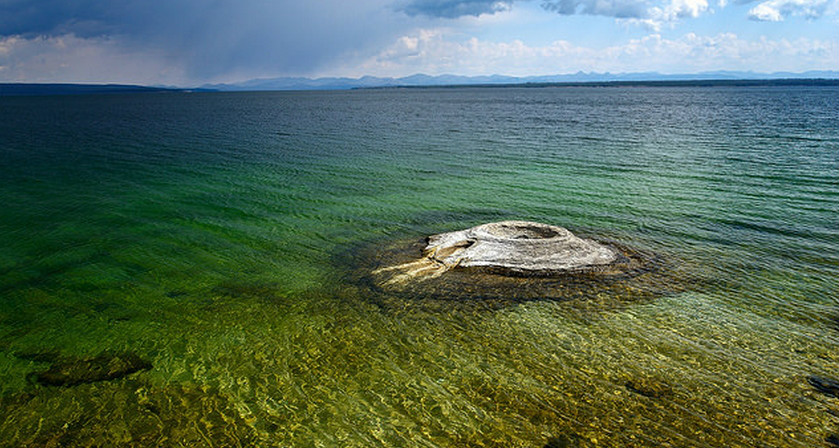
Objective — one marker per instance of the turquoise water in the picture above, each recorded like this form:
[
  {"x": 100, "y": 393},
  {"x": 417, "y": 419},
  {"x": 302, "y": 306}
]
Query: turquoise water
[{"x": 219, "y": 238}]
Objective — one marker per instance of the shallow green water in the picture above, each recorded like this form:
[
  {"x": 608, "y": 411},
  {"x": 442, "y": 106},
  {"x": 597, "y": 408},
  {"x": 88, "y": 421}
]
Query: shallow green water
[{"x": 217, "y": 237}]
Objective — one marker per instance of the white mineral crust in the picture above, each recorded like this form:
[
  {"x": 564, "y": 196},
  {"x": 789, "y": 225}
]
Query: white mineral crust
[{"x": 519, "y": 246}]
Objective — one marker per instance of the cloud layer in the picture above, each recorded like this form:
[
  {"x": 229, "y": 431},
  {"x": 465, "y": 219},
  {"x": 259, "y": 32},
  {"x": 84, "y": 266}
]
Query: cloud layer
[
  {"x": 777, "y": 10},
  {"x": 622, "y": 9},
  {"x": 454, "y": 8},
  {"x": 652, "y": 13},
  {"x": 194, "y": 41},
  {"x": 434, "y": 52},
  {"x": 69, "y": 58}
]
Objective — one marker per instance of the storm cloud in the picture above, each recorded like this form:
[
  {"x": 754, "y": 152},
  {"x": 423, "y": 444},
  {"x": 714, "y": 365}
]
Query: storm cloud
[{"x": 210, "y": 39}]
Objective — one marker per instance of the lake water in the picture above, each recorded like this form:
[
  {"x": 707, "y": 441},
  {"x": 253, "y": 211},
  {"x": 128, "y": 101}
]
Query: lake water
[{"x": 185, "y": 268}]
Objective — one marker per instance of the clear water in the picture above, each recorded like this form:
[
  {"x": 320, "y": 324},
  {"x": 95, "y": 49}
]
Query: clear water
[{"x": 216, "y": 235}]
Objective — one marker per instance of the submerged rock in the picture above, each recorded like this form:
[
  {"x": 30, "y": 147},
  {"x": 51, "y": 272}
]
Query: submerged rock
[
  {"x": 74, "y": 371},
  {"x": 563, "y": 441},
  {"x": 827, "y": 386},
  {"x": 648, "y": 387}
]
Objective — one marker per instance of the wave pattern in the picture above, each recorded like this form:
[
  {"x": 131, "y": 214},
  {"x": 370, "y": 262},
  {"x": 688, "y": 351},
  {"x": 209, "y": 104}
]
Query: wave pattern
[{"x": 207, "y": 237}]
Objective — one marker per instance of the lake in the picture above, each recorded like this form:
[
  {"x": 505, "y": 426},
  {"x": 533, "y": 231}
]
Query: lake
[{"x": 182, "y": 269}]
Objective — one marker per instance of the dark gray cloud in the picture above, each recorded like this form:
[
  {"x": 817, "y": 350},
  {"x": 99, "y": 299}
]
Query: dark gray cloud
[
  {"x": 451, "y": 9},
  {"x": 29, "y": 18},
  {"x": 211, "y": 39}
]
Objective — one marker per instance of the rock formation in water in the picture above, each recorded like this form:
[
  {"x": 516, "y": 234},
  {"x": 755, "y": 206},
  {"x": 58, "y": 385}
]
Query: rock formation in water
[
  {"x": 511, "y": 261},
  {"x": 518, "y": 246},
  {"x": 513, "y": 248}
]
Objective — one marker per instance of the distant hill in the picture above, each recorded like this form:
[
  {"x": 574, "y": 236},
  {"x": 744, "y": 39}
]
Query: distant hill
[
  {"x": 421, "y": 80},
  {"x": 29, "y": 89}
]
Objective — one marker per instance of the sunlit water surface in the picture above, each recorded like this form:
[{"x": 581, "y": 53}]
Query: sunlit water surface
[{"x": 218, "y": 238}]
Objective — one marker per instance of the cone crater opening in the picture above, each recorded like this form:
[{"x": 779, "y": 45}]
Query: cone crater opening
[{"x": 522, "y": 231}]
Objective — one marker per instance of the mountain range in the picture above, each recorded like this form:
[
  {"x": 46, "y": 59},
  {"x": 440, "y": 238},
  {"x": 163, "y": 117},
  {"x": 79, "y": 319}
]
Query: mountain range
[
  {"x": 422, "y": 80},
  {"x": 823, "y": 77}
]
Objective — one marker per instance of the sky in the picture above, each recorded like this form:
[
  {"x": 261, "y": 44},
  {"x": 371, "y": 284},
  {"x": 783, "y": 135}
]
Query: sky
[{"x": 192, "y": 42}]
